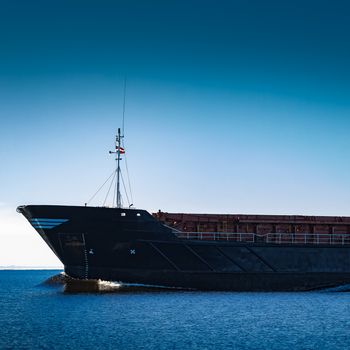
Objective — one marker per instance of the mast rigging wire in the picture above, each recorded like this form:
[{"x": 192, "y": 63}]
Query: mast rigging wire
[
  {"x": 128, "y": 176},
  {"x": 100, "y": 188},
  {"x": 104, "y": 202},
  {"x": 126, "y": 193}
]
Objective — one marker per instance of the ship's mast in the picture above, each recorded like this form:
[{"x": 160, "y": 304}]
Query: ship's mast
[
  {"x": 118, "y": 151},
  {"x": 118, "y": 148},
  {"x": 117, "y": 174}
]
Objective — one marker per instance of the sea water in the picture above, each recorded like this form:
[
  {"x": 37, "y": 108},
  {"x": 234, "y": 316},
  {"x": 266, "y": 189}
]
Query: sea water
[{"x": 34, "y": 315}]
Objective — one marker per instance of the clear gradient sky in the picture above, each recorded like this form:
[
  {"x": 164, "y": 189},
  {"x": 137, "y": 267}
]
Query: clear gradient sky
[{"x": 232, "y": 107}]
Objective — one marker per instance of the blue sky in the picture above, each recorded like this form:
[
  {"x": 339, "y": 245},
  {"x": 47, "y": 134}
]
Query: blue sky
[{"x": 232, "y": 106}]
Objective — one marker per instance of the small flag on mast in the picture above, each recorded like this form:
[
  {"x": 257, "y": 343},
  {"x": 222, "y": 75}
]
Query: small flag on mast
[{"x": 122, "y": 150}]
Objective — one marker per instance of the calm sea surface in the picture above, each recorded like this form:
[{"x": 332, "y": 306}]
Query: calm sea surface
[{"x": 33, "y": 315}]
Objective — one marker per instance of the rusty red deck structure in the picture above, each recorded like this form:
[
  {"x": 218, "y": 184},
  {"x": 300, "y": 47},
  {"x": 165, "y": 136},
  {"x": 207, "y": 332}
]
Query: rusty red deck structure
[{"x": 259, "y": 228}]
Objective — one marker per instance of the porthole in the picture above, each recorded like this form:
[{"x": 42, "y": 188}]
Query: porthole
[
  {"x": 122, "y": 214},
  {"x": 138, "y": 214}
]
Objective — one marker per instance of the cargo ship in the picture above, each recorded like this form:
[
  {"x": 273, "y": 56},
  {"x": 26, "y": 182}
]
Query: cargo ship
[{"x": 236, "y": 252}]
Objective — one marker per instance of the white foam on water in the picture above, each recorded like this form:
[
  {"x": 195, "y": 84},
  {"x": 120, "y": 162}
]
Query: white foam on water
[{"x": 108, "y": 286}]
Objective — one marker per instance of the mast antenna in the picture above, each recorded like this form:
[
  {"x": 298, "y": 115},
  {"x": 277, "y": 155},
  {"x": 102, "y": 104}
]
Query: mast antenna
[{"x": 124, "y": 106}]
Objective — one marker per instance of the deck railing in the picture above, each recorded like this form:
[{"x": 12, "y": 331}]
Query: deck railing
[{"x": 277, "y": 238}]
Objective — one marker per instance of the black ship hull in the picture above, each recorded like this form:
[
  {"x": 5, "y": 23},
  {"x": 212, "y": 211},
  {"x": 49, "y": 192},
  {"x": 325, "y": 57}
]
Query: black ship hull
[{"x": 132, "y": 246}]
